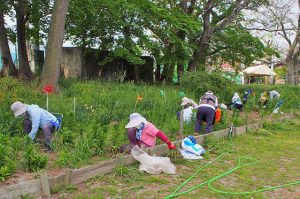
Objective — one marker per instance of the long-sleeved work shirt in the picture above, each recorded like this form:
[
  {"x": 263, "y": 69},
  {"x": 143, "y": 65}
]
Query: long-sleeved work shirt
[{"x": 38, "y": 117}]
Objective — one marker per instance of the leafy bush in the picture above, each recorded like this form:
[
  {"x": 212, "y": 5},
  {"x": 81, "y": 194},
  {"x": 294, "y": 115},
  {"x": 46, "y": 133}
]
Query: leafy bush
[
  {"x": 32, "y": 159},
  {"x": 7, "y": 158},
  {"x": 200, "y": 82}
]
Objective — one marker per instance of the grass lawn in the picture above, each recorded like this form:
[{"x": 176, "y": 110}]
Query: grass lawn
[{"x": 276, "y": 148}]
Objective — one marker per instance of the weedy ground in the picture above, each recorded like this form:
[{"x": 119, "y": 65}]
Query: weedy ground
[{"x": 276, "y": 148}]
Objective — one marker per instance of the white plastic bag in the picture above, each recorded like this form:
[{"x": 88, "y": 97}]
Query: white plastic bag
[
  {"x": 153, "y": 165},
  {"x": 190, "y": 156}
]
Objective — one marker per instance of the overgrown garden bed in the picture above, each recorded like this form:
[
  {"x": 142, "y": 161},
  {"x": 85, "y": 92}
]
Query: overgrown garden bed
[
  {"x": 275, "y": 147},
  {"x": 95, "y": 114}
]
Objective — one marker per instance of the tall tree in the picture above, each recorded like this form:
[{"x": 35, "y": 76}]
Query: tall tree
[
  {"x": 280, "y": 21},
  {"x": 51, "y": 70},
  {"x": 21, "y": 9},
  {"x": 293, "y": 56},
  {"x": 215, "y": 16},
  {"x": 5, "y": 52}
]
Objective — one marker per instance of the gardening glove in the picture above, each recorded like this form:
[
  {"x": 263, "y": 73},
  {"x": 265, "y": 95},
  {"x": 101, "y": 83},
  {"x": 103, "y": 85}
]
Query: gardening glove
[
  {"x": 165, "y": 139},
  {"x": 171, "y": 146}
]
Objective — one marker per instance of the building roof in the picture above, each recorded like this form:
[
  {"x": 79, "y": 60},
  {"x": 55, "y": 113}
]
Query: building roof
[{"x": 260, "y": 70}]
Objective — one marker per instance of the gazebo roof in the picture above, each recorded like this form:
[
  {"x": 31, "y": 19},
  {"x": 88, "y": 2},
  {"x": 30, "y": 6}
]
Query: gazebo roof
[{"x": 260, "y": 70}]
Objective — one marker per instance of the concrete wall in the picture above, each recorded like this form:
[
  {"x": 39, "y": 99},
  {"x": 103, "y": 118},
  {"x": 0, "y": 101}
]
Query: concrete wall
[{"x": 92, "y": 64}]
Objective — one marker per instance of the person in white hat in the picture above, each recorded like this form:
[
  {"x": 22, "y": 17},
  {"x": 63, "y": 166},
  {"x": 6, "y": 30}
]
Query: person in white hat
[
  {"x": 35, "y": 118},
  {"x": 206, "y": 112},
  {"x": 187, "y": 111},
  {"x": 141, "y": 132},
  {"x": 236, "y": 102}
]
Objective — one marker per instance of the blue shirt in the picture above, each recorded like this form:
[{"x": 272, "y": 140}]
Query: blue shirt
[{"x": 38, "y": 117}]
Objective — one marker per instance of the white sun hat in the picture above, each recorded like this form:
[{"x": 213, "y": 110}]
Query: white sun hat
[
  {"x": 135, "y": 120},
  {"x": 209, "y": 93},
  {"x": 185, "y": 101},
  {"x": 18, "y": 108}
]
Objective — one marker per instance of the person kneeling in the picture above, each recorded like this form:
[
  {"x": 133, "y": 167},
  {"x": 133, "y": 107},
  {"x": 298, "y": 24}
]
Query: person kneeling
[
  {"x": 143, "y": 133},
  {"x": 236, "y": 102}
]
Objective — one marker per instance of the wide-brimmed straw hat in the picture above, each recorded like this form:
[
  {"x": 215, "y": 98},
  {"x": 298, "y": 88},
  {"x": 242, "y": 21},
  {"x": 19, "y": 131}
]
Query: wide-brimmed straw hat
[
  {"x": 262, "y": 99},
  {"x": 185, "y": 101},
  {"x": 18, "y": 108},
  {"x": 135, "y": 120}
]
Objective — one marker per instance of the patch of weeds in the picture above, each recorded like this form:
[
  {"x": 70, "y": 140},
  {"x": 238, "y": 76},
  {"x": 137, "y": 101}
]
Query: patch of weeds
[
  {"x": 64, "y": 188},
  {"x": 274, "y": 126},
  {"x": 175, "y": 156},
  {"x": 26, "y": 196},
  {"x": 212, "y": 144},
  {"x": 111, "y": 191},
  {"x": 141, "y": 187},
  {"x": 262, "y": 132},
  {"x": 238, "y": 121},
  {"x": 130, "y": 173},
  {"x": 153, "y": 179},
  {"x": 7, "y": 158},
  {"x": 33, "y": 160}
]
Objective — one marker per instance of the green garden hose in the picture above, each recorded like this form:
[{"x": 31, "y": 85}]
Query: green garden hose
[{"x": 251, "y": 161}]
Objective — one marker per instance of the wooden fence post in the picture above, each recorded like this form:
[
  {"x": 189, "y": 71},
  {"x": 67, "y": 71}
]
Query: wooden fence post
[
  {"x": 45, "y": 184},
  {"x": 181, "y": 121},
  {"x": 68, "y": 176}
]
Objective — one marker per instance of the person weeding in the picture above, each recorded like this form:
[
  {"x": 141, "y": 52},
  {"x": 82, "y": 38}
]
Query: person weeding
[
  {"x": 143, "y": 133},
  {"x": 187, "y": 112},
  {"x": 246, "y": 95},
  {"x": 264, "y": 99},
  {"x": 236, "y": 102},
  {"x": 35, "y": 118},
  {"x": 206, "y": 112},
  {"x": 274, "y": 95}
]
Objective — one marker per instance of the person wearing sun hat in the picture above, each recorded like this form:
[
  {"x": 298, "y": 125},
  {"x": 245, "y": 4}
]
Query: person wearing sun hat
[
  {"x": 187, "y": 109},
  {"x": 143, "y": 133},
  {"x": 35, "y": 118},
  {"x": 206, "y": 112}
]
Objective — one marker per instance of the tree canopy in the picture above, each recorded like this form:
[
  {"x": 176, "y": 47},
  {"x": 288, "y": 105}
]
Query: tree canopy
[{"x": 177, "y": 32}]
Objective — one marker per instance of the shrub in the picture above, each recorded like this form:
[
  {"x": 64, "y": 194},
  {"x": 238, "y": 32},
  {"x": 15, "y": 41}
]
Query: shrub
[
  {"x": 32, "y": 159},
  {"x": 7, "y": 158},
  {"x": 200, "y": 82}
]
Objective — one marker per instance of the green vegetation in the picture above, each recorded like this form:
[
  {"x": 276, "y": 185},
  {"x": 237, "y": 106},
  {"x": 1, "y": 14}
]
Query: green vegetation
[
  {"x": 96, "y": 129},
  {"x": 275, "y": 147}
]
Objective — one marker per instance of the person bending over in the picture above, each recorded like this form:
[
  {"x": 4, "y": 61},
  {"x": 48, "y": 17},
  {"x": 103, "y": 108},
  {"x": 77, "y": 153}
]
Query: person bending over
[
  {"x": 206, "y": 112},
  {"x": 143, "y": 133},
  {"x": 35, "y": 118}
]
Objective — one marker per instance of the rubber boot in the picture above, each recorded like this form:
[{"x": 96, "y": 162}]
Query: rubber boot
[{"x": 48, "y": 145}]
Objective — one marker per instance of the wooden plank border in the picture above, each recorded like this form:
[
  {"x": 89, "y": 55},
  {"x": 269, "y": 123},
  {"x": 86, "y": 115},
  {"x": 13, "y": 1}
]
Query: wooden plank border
[{"x": 76, "y": 176}]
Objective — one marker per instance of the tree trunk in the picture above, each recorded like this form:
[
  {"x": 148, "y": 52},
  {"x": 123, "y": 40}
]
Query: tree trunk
[
  {"x": 293, "y": 72},
  {"x": 51, "y": 70},
  {"x": 198, "y": 59},
  {"x": 199, "y": 55},
  {"x": 24, "y": 69},
  {"x": 5, "y": 52},
  {"x": 180, "y": 71},
  {"x": 167, "y": 73}
]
